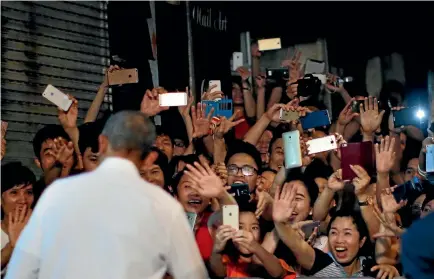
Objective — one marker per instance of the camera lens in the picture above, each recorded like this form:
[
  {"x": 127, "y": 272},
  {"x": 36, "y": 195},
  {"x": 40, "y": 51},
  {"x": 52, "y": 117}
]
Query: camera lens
[
  {"x": 230, "y": 214},
  {"x": 129, "y": 76}
]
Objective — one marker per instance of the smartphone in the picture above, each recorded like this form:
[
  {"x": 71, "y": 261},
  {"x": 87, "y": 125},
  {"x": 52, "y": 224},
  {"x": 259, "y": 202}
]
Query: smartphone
[
  {"x": 430, "y": 158},
  {"x": 409, "y": 191},
  {"x": 322, "y": 144},
  {"x": 231, "y": 216},
  {"x": 173, "y": 99},
  {"x": 355, "y": 106},
  {"x": 288, "y": 115},
  {"x": 237, "y": 60},
  {"x": 123, "y": 76},
  {"x": 308, "y": 229},
  {"x": 274, "y": 75},
  {"x": 358, "y": 153},
  {"x": 215, "y": 82},
  {"x": 409, "y": 116},
  {"x": 269, "y": 44},
  {"x": 57, "y": 97},
  {"x": 315, "y": 119},
  {"x": 191, "y": 217},
  {"x": 314, "y": 67},
  {"x": 292, "y": 150},
  {"x": 241, "y": 192}
]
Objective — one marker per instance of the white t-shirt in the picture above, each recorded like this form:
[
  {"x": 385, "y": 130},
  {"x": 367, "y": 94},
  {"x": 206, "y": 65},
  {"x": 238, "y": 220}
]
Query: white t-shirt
[{"x": 105, "y": 224}]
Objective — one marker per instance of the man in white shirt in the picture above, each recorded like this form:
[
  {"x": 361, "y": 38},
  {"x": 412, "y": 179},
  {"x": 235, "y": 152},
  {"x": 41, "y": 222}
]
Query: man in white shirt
[{"x": 109, "y": 223}]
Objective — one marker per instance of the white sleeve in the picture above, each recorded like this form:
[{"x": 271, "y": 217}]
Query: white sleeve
[{"x": 184, "y": 260}]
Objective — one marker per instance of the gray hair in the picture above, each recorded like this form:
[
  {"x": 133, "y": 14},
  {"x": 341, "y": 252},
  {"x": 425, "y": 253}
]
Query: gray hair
[{"x": 130, "y": 130}]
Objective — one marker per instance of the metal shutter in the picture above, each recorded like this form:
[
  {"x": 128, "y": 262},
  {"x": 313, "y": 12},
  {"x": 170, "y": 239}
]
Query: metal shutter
[{"x": 60, "y": 43}]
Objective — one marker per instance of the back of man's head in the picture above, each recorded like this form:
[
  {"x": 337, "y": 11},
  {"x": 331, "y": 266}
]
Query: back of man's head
[{"x": 129, "y": 132}]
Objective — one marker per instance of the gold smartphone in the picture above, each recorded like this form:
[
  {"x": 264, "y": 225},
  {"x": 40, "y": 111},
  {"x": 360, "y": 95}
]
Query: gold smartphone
[
  {"x": 269, "y": 44},
  {"x": 288, "y": 115},
  {"x": 123, "y": 76}
]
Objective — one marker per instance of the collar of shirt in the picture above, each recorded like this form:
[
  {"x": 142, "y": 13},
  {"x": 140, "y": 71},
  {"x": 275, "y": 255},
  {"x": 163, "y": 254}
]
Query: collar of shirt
[
  {"x": 117, "y": 164},
  {"x": 356, "y": 273}
]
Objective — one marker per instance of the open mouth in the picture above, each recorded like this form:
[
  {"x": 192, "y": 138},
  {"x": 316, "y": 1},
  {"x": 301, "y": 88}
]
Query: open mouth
[
  {"x": 195, "y": 202},
  {"x": 341, "y": 252},
  {"x": 239, "y": 182}
]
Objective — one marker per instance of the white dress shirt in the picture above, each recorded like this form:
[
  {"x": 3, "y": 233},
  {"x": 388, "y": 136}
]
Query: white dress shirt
[{"x": 105, "y": 224}]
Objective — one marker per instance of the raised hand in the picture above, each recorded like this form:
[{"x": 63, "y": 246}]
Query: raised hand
[
  {"x": 260, "y": 81},
  {"x": 225, "y": 125},
  {"x": 68, "y": 119},
  {"x": 370, "y": 118},
  {"x": 223, "y": 234},
  {"x": 17, "y": 221},
  {"x": 284, "y": 205},
  {"x": 201, "y": 122},
  {"x": 340, "y": 141},
  {"x": 62, "y": 151},
  {"x": 388, "y": 201},
  {"x": 264, "y": 200},
  {"x": 346, "y": 115},
  {"x": 362, "y": 180},
  {"x": 330, "y": 87},
  {"x": 211, "y": 96},
  {"x": 306, "y": 158},
  {"x": 335, "y": 182},
  {"x": 150, "y": 104},
  {"x": 385, "y": 271},
  {"x": 207, "y": 183},
  {"x": 246, "y": 240},
  {"x": 244, "y": 73},
  {"x": 273, "y": 113},
  {"x": 110, "y": 69},
  {"x": 221, "y": 171},
  {"x": 385, "y": 154},
  {"x": 185, "y": 110}
]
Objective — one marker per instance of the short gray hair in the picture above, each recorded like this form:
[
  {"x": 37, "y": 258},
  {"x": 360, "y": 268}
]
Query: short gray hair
[{"x": 130, "y": 130}]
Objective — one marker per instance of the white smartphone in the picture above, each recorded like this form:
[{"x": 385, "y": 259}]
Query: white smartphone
[
  {"x": 269, "y": 44},
  {"x": 430, "y": 158},
  {"x": 292, "y": 150},
  {"x": 173, "y": 99},
  {"x": 57, "y": 97},
  {"x": 231, "y": 216},
  {"x": 218, "y": 85},
  {"x": 237, "y": 60},
  {"x": 322, "y": 144}
]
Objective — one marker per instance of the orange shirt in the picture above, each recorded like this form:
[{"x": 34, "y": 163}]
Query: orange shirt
[{"x": 239, "y": 269}]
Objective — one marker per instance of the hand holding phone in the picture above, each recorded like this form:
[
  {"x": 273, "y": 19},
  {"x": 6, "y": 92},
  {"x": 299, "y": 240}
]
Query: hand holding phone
[
  {"x": 57, "y": 97},
  {"x": 288, "y": 115},
  {"x": 358, "y": 153}
]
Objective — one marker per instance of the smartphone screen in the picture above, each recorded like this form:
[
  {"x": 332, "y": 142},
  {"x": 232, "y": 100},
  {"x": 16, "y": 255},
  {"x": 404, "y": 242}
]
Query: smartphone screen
[
  {"x": 308, "y": 229},
  {"x": 173, "y": 99},
  {"x": 191, "y": 217},
  {"x": 430, "y": 158},
  {"x": 410, "y": 190}
]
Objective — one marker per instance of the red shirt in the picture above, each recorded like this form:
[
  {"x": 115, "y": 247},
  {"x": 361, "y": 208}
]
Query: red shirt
[
  {"x": 241, "y": 129},
  {"x": 203, "y": 238}
]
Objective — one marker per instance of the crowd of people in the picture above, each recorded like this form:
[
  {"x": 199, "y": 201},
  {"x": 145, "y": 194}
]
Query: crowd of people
[{"x": 114, "y": 195}]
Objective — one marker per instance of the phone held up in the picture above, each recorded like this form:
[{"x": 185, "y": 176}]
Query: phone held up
[
  {"x": 57, "y": 97},
  {"x": 123, "y": 76},
  {"x": 291, "y": 147},
  {"x": 173, "y": 99},
  {"x": 231, "y": 216},
  {"x": 191, "y": 217},
  {"x": 315, "y": 119},
  {"x": 322, "y": 144},
  {"x": 358, "y": 153}
]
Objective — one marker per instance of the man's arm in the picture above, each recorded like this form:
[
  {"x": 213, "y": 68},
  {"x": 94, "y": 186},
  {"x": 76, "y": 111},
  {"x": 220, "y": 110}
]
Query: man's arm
[{"x": 183, "y": 257}]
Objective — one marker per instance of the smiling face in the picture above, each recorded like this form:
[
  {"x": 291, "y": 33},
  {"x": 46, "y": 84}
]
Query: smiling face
[
  {"x": 242, "y": 160},
  {"x": 20, "y": 196},
  {"x": 190, "y": 198},
  {"x": 153, "y": 174},
  {"x": 302, "y": 202},
  {"x": 90, "y": 160},
  {"x": 344, "y": 240}
]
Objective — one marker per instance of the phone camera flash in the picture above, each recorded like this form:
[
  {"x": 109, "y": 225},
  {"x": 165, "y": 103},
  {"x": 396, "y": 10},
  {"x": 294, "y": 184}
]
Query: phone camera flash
[{"x": 420, "y": 114}]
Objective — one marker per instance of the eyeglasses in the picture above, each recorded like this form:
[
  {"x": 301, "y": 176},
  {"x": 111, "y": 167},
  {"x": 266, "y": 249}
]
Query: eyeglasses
[
  {"x": 246, "y": 170},
  {"x": 179, "y": 144}
]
